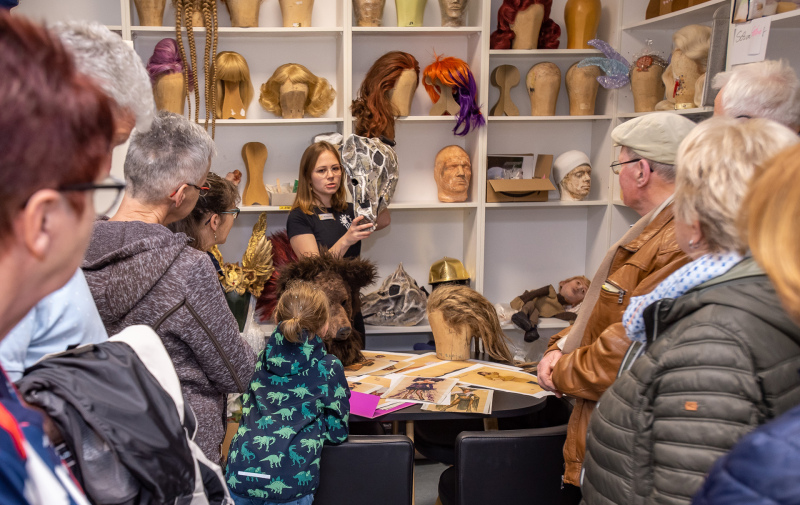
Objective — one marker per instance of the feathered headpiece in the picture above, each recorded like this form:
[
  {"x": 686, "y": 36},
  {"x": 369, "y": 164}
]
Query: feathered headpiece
[
  {"x": 256, "y": 266},
  {"x": 616, "y": 67},
  {"x": 455, "y": 73}
]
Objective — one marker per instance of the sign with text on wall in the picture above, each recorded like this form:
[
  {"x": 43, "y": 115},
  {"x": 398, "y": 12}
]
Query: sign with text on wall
[{"x": 750, "y": 41}]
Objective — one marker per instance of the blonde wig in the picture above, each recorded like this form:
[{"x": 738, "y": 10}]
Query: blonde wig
[
  {"x": 714, "y": 166},
  {"x": 320, "y": 93},
  {"x": 769, "y": 218},
  {"x": 302, "y": 306},
  {"x": 463, "y": 306},
  {"x": 231, "y": 66},
  {"x": 694, "y": 42}
]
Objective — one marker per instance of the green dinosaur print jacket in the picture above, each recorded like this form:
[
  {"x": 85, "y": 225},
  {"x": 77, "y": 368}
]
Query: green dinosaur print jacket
[{"x": 298, "y": 399}]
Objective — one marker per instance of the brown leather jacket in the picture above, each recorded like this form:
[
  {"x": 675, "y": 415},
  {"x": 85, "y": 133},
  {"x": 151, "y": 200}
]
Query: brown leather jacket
[{"x": 588, "y": 371}]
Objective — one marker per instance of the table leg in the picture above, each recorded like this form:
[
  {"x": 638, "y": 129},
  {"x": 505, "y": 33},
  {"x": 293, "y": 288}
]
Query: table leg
[
  {"x": 490, "y": 424},
  {"x": 410, "y": 430},
  {"x": 395, "y": 427}
]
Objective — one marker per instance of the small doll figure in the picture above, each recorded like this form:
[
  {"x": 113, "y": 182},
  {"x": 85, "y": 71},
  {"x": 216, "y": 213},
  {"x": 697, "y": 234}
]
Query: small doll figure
[
  {"x": 545, "y": 302},
  {"x": 298, "y": 400}
]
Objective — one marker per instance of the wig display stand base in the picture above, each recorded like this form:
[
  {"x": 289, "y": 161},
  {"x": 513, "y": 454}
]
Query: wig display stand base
[
  {"x": 244, "y": 13},
  {"x": 254, "y": 155},
  {"x": 505, "y": 77},
  {"x": 151, "y": 12},
  {"x": 293, "y": 100},
  {"x": 446, "y": 105}
]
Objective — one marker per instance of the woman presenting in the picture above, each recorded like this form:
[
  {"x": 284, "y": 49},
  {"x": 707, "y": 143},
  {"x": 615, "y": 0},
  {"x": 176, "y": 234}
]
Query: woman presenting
[{"x": 320, "y": 214}]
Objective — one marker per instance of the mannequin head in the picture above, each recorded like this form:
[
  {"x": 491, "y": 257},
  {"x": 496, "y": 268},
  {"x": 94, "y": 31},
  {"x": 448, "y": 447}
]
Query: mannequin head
[
  {"x": 244, "y": 13},
  {"x": 296, "y": 13},
  {"x": 166, "y": 73},
  {"x": 582, "y": 85},
  {"x": 165, "y": 60},
  {"x": 372, "y": 109},
  {"x": 151, "y": 12},
  {"x": 319, "y": 98},
  {"x": 543, "y": 82},
  {"x": 368, "y": 12},
  {"x": 573, "y": 172},
  {"x": 646, "y": 83},
  {"x": 452, "y": 172},
  {"x": 503, "y": 37},
  {"x": 212, "y": 217},
  {"x": 690, "y": 46},
  {"x": 410, "y": 12},
  {"x": 402, "y": 93},
  {"x": 232, "y": 67},
  {"x": 453, "y": 12},
  {"x": 460, "y": 314},
  {"x": 456, "y": 74}
]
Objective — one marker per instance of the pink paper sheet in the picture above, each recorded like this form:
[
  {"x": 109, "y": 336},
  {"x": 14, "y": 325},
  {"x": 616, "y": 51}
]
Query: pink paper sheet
[{"x": 362, "y": 404}]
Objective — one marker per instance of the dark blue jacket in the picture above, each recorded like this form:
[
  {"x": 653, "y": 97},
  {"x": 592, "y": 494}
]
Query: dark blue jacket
[
  {"x": 297, "y": 400},
  {"x": 763, "y": 468}
]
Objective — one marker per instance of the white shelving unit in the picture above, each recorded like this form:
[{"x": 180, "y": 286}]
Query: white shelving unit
[{"x": 506, "y": 247}]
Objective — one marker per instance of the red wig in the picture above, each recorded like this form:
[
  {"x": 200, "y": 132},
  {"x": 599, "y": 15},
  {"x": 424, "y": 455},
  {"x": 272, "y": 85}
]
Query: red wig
[
  {"x": 502, "y": 37},
  {"x": 373, "y": 109},
  {"x": 56, "y": 123}
]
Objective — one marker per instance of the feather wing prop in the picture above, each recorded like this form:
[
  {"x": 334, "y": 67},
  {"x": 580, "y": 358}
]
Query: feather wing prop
[{"x": 614, "y": 65}]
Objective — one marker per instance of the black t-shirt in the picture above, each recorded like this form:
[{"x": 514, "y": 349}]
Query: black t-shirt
[{"x": 327, "y": 227}]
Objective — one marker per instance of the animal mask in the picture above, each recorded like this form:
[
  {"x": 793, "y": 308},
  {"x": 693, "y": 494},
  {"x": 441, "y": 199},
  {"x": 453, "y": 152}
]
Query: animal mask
[
  {"x": 398, "y": 302},
  {"x": 371, "y": 167}
]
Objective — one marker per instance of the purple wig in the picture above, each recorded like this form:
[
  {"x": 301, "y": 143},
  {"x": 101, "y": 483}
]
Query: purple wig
[
  {"x": 456, "y": 74},
  {"x": 166, "y": 59}
]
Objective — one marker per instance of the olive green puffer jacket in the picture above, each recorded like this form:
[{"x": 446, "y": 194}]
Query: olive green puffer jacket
[{"x": 722, "y": 359}]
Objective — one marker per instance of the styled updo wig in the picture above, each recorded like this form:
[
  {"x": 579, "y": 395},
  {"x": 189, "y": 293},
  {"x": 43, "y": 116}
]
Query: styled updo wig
[
  {"x": 320, "y": 93},
  {"x": 372, "y": 109},
  {"x": 549, "y": 33},
  {"x": 166, "y": 60}
]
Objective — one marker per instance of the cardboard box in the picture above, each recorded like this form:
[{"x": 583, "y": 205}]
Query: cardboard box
[
  {"x": 523, "y": 190},
  {"x": 282, "y": 199}
]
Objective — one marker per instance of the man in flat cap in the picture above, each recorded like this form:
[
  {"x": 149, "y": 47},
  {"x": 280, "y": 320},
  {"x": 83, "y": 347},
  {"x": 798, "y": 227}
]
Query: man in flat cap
[{"x": 584, "y": 363}]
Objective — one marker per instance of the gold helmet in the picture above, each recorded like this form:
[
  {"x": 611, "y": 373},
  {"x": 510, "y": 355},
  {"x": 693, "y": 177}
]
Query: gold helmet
[{"x": 447, "y": 270}]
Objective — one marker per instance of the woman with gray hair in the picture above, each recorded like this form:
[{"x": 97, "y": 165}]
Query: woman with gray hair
[
  {"x": 714, "y": 355},
  {"x": 140, "y": 272}
]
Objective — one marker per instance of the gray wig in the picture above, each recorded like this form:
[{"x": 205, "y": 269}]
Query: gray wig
[
  {"x": 107, "y": 59},
  {"x": 174, "y": 151}
]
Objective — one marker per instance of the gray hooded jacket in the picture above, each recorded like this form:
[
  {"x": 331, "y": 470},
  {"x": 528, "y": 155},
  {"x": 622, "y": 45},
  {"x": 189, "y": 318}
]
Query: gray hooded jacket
[
  {"x": 142, "y": 273},
  {"x": 722, "y": 359}
]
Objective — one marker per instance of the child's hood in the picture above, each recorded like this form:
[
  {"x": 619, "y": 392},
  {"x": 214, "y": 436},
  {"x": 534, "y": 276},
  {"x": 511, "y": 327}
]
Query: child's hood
[{"x": 281, "y": 357}]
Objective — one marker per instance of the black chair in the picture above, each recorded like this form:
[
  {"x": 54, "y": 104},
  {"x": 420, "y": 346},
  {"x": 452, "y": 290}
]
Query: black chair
[
  {"x": 367, "y": 470},
  {"x": 509, "y": 467}
]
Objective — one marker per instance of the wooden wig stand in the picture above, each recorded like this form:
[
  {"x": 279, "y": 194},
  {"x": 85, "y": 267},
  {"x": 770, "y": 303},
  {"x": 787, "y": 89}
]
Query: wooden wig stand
[
  {"x": 368, "y": 12},
  {"x": 254, "y": 155},
  {"x": 526, "y": 27},
  {"x": 293, "y": 100},
  {"x": 543, "y": 82},
  {"x": 410, "y": 12},
  {"x": 244, "y": 13},
  {"x": 169, "y": 93},
  {"x": 446, "y": 105},
  {"x": 151, "y": 12},
  {"x": 582, "y": 89},
  {"x": 403, "y": 92},
  {"x": 505, "y": 77},
  {"x": 296, "y": 13},
  {"x": 582, "y": 18}
]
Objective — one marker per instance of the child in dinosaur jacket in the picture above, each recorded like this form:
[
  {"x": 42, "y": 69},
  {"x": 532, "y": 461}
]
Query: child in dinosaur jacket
[{"x": 298, "y": 399}]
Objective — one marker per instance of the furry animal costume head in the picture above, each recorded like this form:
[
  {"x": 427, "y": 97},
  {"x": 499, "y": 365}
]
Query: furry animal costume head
[{"x": 340, "y": 278}]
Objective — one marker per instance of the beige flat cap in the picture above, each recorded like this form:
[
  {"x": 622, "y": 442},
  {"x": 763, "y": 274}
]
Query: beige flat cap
[{"x": 655, "y": 136}]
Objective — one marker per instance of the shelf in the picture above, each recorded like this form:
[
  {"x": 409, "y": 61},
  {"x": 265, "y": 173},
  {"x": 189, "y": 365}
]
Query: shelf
[
  {"x": 393, "y": 206},
  {"x": 512, "y": 119},
  {"x": 676, "y": 20},
  {"x": 619, "y": 203},
  {"x": 693, "y": 114},
  {"x": 427, "y": 30},
  {"x": 545, "y": 322},
  {"x": 426, "y": 119},
  {"x": 227, "y": 31},
  {"x": 526, "y": 53},
  {"x": 280, "y": 121},
  {"x": 549, "y": 203},
  {"x": 115, "y": 28},
  {"x": 789, "y": 19}
]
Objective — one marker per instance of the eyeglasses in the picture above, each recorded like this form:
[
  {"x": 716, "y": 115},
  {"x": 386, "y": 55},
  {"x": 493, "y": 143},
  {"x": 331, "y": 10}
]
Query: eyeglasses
[
  {"x": 235, "y": 211},
  {"x": 203, "y": 190},
  {"x": 615, "y": 167},
  {"x": 105, "y": 195}
]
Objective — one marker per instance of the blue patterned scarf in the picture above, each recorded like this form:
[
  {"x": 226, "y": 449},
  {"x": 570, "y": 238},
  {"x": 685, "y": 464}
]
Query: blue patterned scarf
[{"x": 701, "y": 270}]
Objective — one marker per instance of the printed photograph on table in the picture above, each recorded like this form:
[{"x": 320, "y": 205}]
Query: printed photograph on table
[
  {"x": 421, "y": 361},
  {"x": 466, "y": 400},
  {"x": 421, "y": 390},
  {"x": 501, "y": 379},
  {"x": 394, "y": 356},
  {"x": 439, "y": 369},
  {"x": 367, "y": 367},
  {"x": 363, "y": 387}
]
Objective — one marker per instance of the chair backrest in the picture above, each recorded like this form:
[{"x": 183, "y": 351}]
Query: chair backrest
[
  {"x": 367, "y": 470},
  {"x": 510, "y": 467}
]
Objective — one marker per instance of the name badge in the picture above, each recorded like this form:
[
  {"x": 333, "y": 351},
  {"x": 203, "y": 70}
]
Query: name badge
[{"x": 323, "y": 217}]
